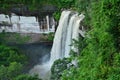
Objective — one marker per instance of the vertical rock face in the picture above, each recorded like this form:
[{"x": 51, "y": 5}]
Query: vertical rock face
[{"x": 23, "y": 24}]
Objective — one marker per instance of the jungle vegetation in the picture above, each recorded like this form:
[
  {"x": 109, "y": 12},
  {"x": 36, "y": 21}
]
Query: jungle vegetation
[
  {"x": 99, "y": 54},
  {"x": 99, "y": 57}
]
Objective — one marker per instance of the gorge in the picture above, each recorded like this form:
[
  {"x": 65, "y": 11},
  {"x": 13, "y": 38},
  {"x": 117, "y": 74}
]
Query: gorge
[
  {"x": 67, "y": 30},
  {"x": 85, "y": 45}
]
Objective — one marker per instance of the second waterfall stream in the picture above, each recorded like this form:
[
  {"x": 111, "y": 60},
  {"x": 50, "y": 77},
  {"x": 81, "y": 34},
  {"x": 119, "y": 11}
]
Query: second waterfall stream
[{"x": 67, "y": 30}]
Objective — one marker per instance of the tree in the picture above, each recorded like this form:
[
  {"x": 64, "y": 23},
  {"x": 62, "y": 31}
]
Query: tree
[
  {"x": 14, "y": 70},
  {"x": 58, "y": 67},
  {"x": 11, "y": 71},
  {"x": 8, "y": 55},
  {"x": 26, "y": 77},
  {"x": 100, "y": 59}
]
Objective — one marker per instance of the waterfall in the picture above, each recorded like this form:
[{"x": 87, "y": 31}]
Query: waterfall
[
  {"x": 75, "y": 33},
  {"x": 59, "y": 39},
  {"x": 69, "y": 35},
  {"x": 47, "y": 18},
  {"x": 67, "y": 30}
]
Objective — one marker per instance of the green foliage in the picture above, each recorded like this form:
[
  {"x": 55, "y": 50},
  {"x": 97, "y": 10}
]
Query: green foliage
[
  {"x": 8, "y": 55},
  {"x": 33, "y": 4},
  {"x": 99, "y": 59},
  {"x": 78, "y": 44},
  {"x": 8, "y": 73},
  {"x": 26, "y": 77},
  {"x": 20, "y": 38},
  {"x": 57, "y": 15},
  {"x": 3, "y": 71},
  {"x": 58, "y": 67},
  {"x": 11, "y": 64},
  {"x": 63, "y": 3},
  {"x": 99, "y": 54},
  {"x": 50, "y": 37},
  {"x": 13, "y": 72},
  {"x": 11, "y": 60},
  {"x": 84, "y": 7},
  {"x": 6, "y": 37}
]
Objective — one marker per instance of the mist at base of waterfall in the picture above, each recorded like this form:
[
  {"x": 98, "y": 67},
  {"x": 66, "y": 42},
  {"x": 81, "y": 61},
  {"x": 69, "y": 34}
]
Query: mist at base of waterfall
[
  {"x": 42, "y": 70},
  {"x": 67, "y": 30},
  {"x": 37, "y": 53}
]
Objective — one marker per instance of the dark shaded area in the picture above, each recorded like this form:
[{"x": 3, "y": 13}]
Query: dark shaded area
[
  {"x": 23, "y": 10},
  {"x": 5, "y": 24},
  {"x": 37, "y": 53}
]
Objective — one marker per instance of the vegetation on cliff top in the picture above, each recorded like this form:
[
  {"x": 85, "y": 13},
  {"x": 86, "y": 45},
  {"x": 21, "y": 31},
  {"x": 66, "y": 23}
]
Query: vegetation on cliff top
[{"x": 99, "y": 58}]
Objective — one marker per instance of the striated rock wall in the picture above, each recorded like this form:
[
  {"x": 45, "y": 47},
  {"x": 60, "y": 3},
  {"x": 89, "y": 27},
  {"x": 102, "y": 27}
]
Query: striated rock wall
[{"x": 26, "y": 24}]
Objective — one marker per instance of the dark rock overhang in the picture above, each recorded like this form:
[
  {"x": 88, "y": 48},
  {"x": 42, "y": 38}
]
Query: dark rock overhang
[{"x": 23, "y": 10}]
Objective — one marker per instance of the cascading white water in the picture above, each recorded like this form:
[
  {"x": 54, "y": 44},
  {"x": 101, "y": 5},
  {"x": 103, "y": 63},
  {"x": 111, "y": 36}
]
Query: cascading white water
[
  {"x": 59, "y": 39},
  {"x": 75, "y": 33},
  {"x": 67, "y": 30},
  {"x": 69, "y": 35},
  {"x": 47, "y": 18},
  {"x": 44, "y": 69}
]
